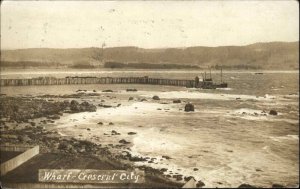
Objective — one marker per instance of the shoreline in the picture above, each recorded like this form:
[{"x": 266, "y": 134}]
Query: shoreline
[
  {"x": 109, "y": 101},
  {"x": 29, "y": 132}
]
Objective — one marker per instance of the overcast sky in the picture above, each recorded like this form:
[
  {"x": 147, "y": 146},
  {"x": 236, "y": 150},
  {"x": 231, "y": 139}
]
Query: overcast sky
[{"x": 151, "y": 24}]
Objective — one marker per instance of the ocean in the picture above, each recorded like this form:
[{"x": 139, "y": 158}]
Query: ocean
[{"x": 230, "y": 139}]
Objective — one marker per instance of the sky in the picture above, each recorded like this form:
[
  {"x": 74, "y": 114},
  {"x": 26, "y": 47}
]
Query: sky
[{"x": 146, "y": 24}]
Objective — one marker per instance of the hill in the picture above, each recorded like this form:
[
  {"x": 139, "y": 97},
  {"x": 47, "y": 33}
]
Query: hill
[{"x": 272, "y": 55}]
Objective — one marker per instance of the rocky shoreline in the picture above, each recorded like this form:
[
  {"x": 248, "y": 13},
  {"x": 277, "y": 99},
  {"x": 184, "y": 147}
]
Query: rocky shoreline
[{"x": 24, "y": 121}]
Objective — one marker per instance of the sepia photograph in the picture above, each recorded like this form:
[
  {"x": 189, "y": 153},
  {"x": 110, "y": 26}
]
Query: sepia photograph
[{"x": 149, "y": 94}]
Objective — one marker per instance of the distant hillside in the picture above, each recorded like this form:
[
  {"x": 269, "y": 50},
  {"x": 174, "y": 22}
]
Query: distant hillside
[{"x": 273, "y": 55}]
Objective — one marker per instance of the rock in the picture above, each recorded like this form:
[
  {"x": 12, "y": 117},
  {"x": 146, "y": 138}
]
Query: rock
[
  {"x": 188, "y": 178},
  {"x": 158, "y": 108},
  {"x": 246, "y": 186},
  {"x": 110, "y": 123},
  {"x": 119, "y": 105},
  {"x": 131, "y": 133},
  {"x": 155, "y": 98},
  {"x": 74, "y": 106},
  {"x": 142, "y": 100},
  {"x": 130, "y": 98},
  {"x": 177, "y": 101},
  {"x": 178, "y": 177},
  {"x": 124, "y": 142},
  {"x": 88, "y": 129},
  {"x": 273, "y": 112},
  {"x": 113, "y": 132},
  {"x": 189, "y": 107},
  {"x": 238, "y": 98},
  {"x": 195, "y": 169},
  {"x": 100, "y": 123},
  {"x": 32, "y": 123},
  {"x": 136, "y": 158},
  {"x": 134, "y": 90},
  {"x": 277, "y": 186},
  {"x": 85, "y": 106},
  {"x": 94, "y": 91},
  {"x": 105, "y": 106},
  {"x": 107, "y": 91},
  {"x": 163, "y": 170},
  {"x": 166, "y": 157},
  {"x": 200, "y": 184}
]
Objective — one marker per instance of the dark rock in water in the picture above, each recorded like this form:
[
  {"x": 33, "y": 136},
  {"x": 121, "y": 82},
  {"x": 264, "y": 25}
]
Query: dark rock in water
[
  {"x": 124, "y": 142},
  {"x": 277, "y": 186},
  {"x": 200, "y": 184},
  {"x": 238, "y": 98},
  {"x": 166, "y": 157},
  {"x": 105, "y": 106},
  {"x": 110, "y": 123},
  {"x": 188, "y": 178},
  {"x": 85, "y": 106},
  {"x": 113, "y": 132},
  {"x": 163, "y": 170},
  {"x": 273, "y": 112},
  {"x": 158, "y": 108},
  {"x": 177, "y": 101},
  {"x": 130, "y": 98},
  {"x": 246, "y": 186},
  {"x": 94, "y": 91},
  {"x": 107, "y": 91},
  {"x": 32, "y": 123},
  {"x": 136, "y": 158},
  {"x": 155, "y": 98},
  {"x": 74, "y": 106},
  {"x": 178, "y": 177},
  {"x": 196, "y": 169},
  {"x": 189, "y": 107},
  {"x": 88, "y": 129},
  {"x": 119, "y": 105},
  {"x": 131, "y": 90},
  {"x": 100, "y": 123},
  {"x": 131, "y": 133},
  {"x": 142, "y": 100}
]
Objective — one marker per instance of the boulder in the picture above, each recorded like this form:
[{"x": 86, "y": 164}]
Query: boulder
[
  {"x": 273, "y": 112},
  {"x": 85, "y": 106},
  {"x": 134, "y": 90},
  {"x": 107, "y": 91},
  {"x": 155, "y": 97},
  {"x": 124, "y": 142},
  {"x": 177, "y": 101},
  {"x": 74, "y": 106},
  {"x": 246, "y": 186},
  {"x": 130, "y": 98},
  {"x": 131, "y": 133},
  {"x": 189, "y": 107},
  {"x": 200, "y": 184}
]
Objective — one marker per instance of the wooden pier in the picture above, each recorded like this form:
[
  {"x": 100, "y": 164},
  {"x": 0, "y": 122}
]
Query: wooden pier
[{"x": 98, "y": 80}]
